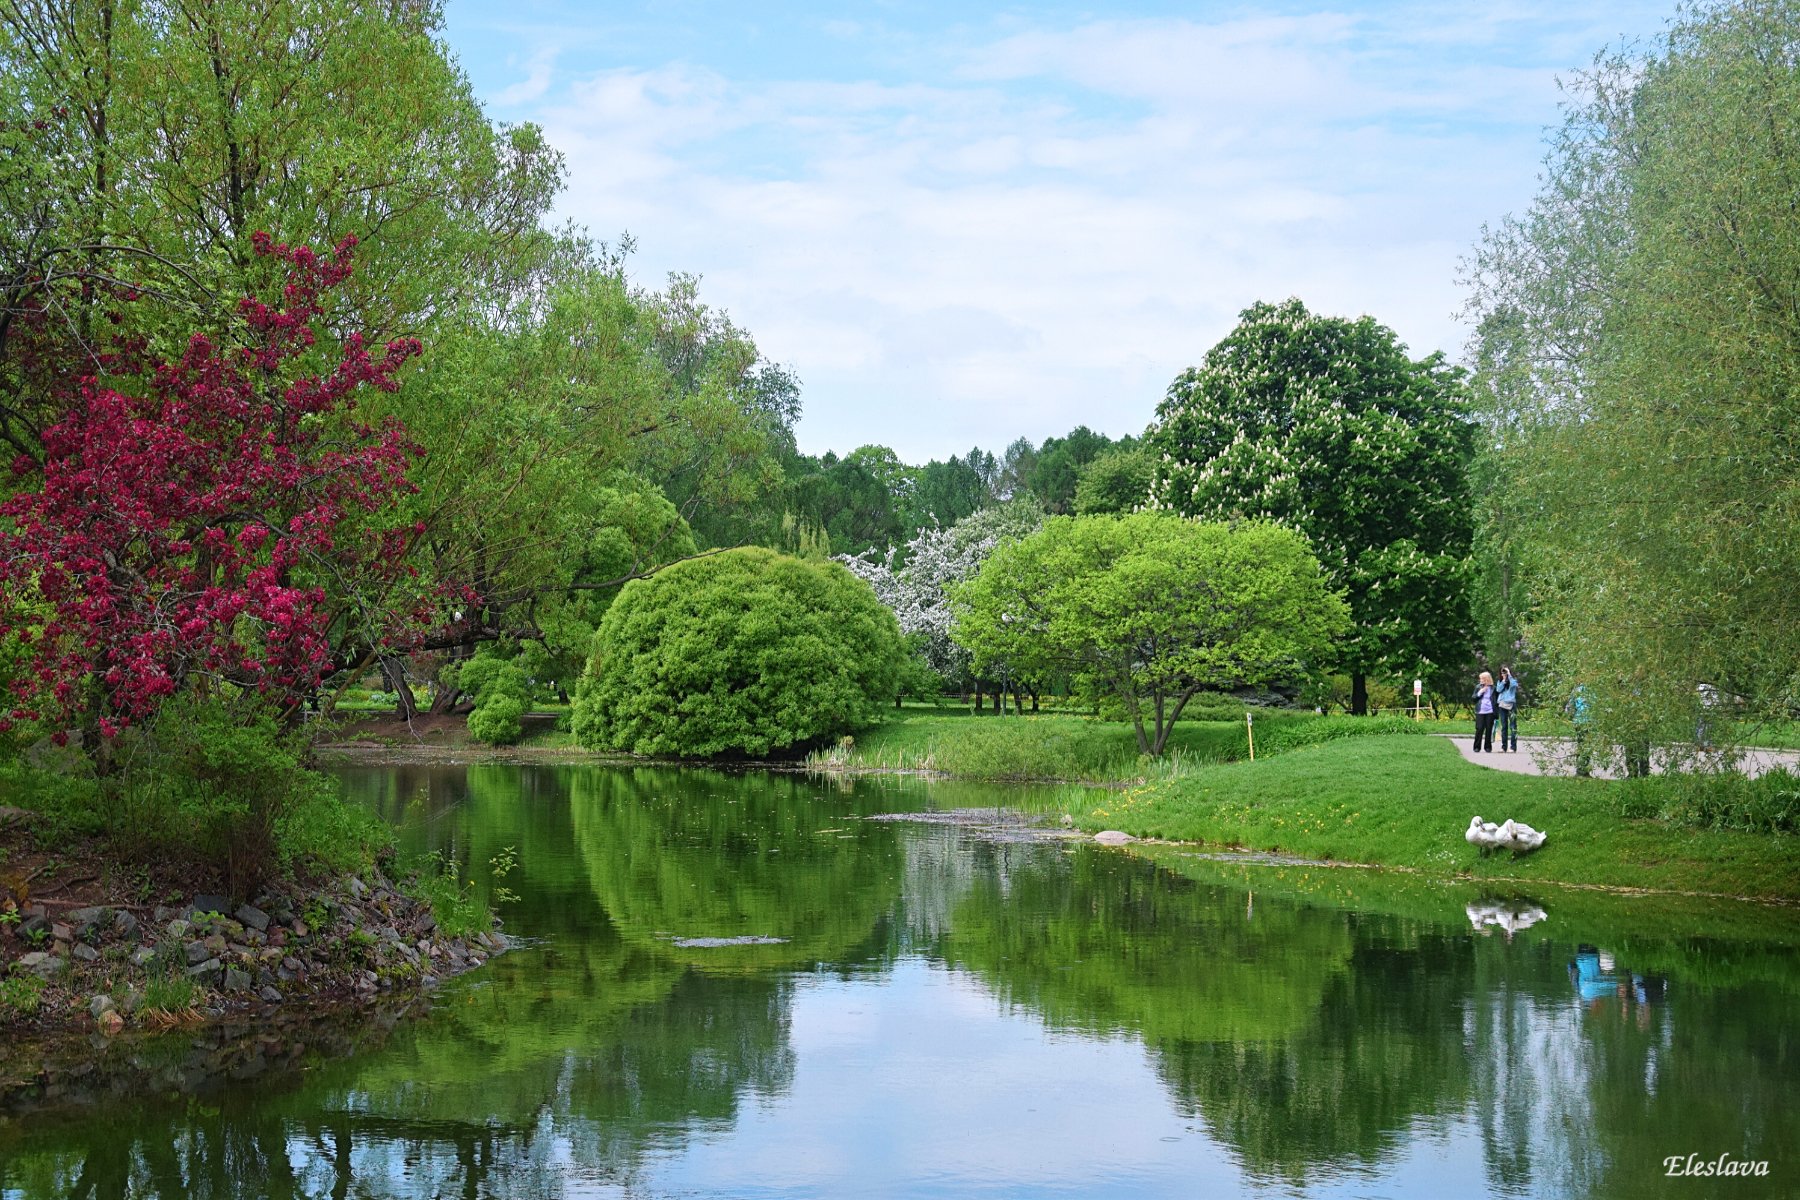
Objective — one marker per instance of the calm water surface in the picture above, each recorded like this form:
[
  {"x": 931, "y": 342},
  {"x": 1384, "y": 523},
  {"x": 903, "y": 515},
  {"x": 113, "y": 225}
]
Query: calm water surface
[{"x": 927, "y": 1011}]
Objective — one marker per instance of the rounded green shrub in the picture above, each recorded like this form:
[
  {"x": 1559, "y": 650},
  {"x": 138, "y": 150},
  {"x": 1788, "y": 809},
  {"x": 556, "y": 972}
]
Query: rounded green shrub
[
  {"x": 502, "y": 697},
  {"x": 747, "y": 652}
]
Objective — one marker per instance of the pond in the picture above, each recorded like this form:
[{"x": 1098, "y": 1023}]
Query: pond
[{"x": 744, "y": 985}]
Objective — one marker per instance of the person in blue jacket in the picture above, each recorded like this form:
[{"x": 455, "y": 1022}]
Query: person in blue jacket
[{"x": 1506, "y": 704}]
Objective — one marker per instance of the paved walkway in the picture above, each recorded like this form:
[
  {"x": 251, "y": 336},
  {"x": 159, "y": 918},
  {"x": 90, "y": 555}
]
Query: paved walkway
[{"x": 1556, "y": 756}]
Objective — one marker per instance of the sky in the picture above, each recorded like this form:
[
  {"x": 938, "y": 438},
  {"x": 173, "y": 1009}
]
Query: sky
[{"x": 964, "y": 223}]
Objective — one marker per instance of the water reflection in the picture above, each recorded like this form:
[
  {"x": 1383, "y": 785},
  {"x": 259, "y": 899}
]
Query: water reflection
[{"x": 943, "y": 1015}]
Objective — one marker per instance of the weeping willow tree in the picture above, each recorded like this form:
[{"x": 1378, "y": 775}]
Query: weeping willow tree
[{"x": 1639, "y": 355}]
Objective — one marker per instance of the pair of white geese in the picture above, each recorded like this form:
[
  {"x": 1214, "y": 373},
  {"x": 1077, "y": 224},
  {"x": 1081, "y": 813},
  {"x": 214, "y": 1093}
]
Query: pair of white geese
[{"x": 1514, "y": 836}]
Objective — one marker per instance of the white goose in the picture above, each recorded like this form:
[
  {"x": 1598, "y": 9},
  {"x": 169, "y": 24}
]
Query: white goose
[
  {"x": 1522, "y": 838},
  {"x": 1483, "y": 835}
]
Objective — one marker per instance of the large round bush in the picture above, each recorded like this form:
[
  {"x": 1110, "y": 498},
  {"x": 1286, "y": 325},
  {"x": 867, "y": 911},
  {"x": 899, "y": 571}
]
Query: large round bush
[{"x": 745, "y": 652}]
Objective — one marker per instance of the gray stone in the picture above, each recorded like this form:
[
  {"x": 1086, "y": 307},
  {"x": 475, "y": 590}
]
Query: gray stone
[
  {"x": 252, "y": 916},
  {"x": 272, "y": 995},
  {"x": 125, "y": 924},
  {"x": 300, "y": 929},
  {"x": 358, "y": 888},
  {"x": 179, "y": 928},
  {"x": 62, "y": 931},
  {"x": 142, "y": 956},
  {"x": 34, "y": 960},
  {"x": 291, "y": 963},
  {"x": 207, "y": 903},
  {"x": 34, "y": 924},
  {"x": 81, "y": 918},
  {"x": 51, "y": 965},
  {"x": 198, "y": 952},
  {"x": 100, "y": 1004},
  {"x": 86, "y": 953},
  {"x": 240, "y": 950},
  {"x": 162, "y": 914},
  {"x": 1112, "y": 837},
  {"x": 205, "y": 968},
  {"x": 428, "y": 980},
  {"x": 236, "y": 980}
]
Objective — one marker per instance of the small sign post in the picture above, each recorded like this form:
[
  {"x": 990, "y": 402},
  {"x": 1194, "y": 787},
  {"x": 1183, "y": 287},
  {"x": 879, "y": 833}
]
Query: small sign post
[
  {"x": 1250, "y": 732},
  {"x": 1418, "y": 691}
]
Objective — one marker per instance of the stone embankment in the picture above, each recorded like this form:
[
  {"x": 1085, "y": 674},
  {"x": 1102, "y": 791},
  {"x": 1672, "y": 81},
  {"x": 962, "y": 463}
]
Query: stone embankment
[{"x": 117, "y": 967}]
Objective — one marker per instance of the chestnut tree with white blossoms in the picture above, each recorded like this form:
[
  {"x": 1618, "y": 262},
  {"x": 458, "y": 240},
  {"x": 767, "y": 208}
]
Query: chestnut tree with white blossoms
[{"x": 1326, "y": 426}]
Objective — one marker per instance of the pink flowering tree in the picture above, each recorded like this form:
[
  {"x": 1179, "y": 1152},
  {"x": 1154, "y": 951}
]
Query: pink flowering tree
[{"x": 218, "y": 529}]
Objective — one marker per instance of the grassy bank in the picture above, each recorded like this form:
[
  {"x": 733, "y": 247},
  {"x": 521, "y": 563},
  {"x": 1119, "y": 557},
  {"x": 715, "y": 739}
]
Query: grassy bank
[
  {"x": 1080, "y": 749},
  {"x": 1404, "y": 801}
]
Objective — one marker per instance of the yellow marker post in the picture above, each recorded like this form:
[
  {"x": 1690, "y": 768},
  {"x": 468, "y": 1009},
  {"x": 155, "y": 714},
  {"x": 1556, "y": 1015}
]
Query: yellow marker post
[{"x": 1250, "y": 732}]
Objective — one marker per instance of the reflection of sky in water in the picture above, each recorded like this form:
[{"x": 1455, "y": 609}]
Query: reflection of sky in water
[{"x": 920, "y": 1085}]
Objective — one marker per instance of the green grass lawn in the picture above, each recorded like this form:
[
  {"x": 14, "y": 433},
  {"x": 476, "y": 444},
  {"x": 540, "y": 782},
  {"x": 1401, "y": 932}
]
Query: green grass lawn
[
  {"x": 1405, "y": 801},
  {"x": 1078, "y": 748}
]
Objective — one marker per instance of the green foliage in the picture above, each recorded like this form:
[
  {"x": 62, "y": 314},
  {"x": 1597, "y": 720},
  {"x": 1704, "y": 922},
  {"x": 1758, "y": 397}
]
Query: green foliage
[
  {"x": 166, "y": 991},
  {"x": 855, "y": 500},
  {"x": 21, "y": 994},
  {"x": 1061, "y": 462},
  {"x": 501, "y": 698},
  {"x": 1639, "y": 359},
  {"x": 437, "y": 880},
  {"x": 220, "y": 783},
  {"x": 1768, "y": 803},
  {"x": 744, "y": 652},
  {"x": 1116, "y": 481},
  {"x": 1151, "y": 609},
  {"x": 1326, "y": 426}
]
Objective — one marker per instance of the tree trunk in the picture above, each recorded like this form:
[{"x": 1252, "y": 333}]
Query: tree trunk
[
  {"x": 393, "y": 670},
  {"x": 1359, "y": 694}
]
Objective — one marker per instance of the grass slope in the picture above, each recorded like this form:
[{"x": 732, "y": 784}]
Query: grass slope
[
  {"x": 1405, "y": 801},
  {"x": 1076, "y": 748}
]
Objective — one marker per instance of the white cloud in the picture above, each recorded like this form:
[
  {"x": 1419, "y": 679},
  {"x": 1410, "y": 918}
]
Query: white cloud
[
  {"x": 539, "y": 72},
  {"x": 1063, "y": 219}
]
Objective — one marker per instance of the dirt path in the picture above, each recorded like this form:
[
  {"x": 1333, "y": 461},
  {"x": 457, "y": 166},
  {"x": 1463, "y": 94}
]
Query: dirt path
[{"x": 1556, "y": 756}]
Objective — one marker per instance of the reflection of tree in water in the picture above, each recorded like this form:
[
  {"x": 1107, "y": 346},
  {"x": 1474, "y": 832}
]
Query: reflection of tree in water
[
  {"x": 1698, "y": 1068},
  {"x": 1107, "y": 943},
  {"x": 722, "y": 856},
  {"x": 1384, "y": 1048},
  {"x": 593, "y": 1054},
  {"x": 1306, "y": 1037}
]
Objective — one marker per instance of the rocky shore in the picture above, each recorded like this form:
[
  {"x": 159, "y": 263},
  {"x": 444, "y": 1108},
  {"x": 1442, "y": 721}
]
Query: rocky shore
[{"x": 111, "y": 968}]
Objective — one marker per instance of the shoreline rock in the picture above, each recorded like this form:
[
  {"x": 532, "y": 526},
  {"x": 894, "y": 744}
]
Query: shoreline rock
[{"x": 105, "y": 969}]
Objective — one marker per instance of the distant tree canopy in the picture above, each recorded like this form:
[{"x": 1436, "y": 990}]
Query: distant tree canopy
[
  {"x": 748, "y": 652},
  {"x": 1151, "y": 609},
  {"x": 1326, "y": 426},
  {"x": 1638, "y": 361}
]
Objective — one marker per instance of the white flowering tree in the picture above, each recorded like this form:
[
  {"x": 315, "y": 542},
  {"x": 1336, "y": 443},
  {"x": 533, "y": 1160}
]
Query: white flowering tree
[
  {"x": 1326, "y": 426},
  {"x": 915, "y": 582}
]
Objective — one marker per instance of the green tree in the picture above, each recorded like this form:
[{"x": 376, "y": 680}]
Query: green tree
[
  {"x": 1326, "y": 426},
  {"x": 1639, "y": 359},
  {"x": 856, "y": 500},
  {"x": 1061, "y": 461},
  {"x": 1151, "y": 608},
  {"x": 165, "y": 136},
  {"x": 1115, "y": 481},
  {"x": 744, "y": 652},
  {"x": 949, "y": 491}
]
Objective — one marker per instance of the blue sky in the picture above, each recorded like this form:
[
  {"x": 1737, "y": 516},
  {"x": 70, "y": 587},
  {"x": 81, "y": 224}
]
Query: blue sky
[{"x": 963, "y": 223}]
